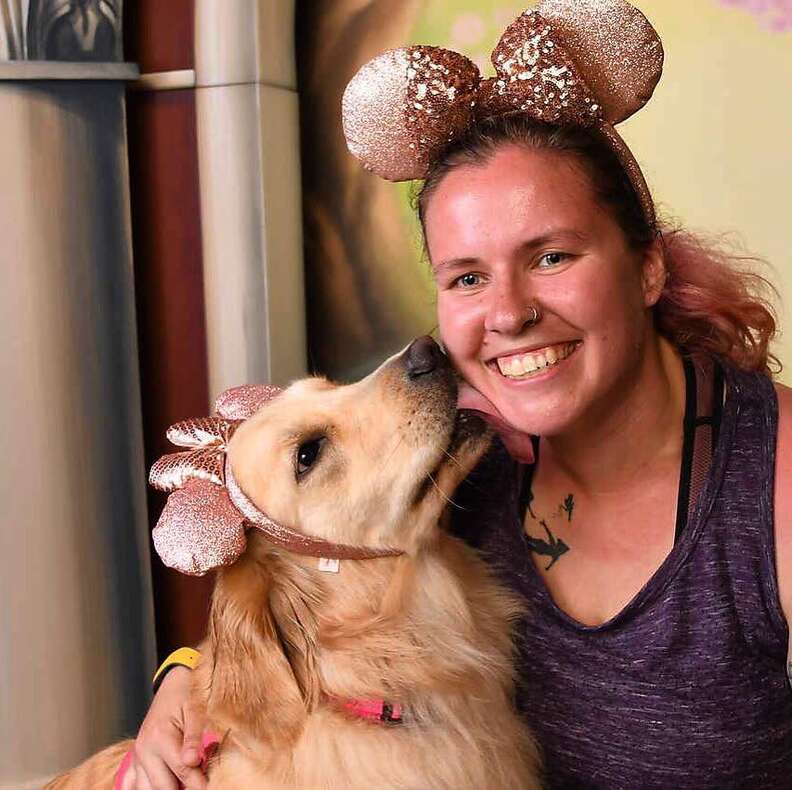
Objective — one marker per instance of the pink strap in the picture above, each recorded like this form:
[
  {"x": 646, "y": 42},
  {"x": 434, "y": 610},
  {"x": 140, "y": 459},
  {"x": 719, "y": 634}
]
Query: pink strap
[
  {"x": 209, "y": 743},
  {"x": 123, "y": 768},
  {"x": 375, "y": 709}
]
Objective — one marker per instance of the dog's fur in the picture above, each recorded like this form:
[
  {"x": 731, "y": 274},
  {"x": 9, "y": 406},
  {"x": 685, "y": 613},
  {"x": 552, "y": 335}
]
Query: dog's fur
[{"x": 429, "y": 629}]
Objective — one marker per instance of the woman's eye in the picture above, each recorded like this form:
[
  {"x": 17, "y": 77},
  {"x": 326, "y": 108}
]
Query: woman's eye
[
  {"x": 468, "y": 280},
  {"x": 307, "y": 453},
  {"x": 552, "y": 259}
]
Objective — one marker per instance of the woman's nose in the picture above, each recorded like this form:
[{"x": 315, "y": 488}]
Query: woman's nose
[{"x": 509, "y": 311}]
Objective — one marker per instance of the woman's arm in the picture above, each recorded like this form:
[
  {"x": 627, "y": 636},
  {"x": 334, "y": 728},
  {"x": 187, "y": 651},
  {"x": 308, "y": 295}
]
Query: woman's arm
[
  {"x": 783, "y": 507},
  {"x": 167, "y": 748}
]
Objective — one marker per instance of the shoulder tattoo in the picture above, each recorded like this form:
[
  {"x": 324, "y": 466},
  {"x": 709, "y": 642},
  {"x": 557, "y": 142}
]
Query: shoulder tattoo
[
  {"x": 553, "y": 547},
  {"x": 566, "y": 507}
]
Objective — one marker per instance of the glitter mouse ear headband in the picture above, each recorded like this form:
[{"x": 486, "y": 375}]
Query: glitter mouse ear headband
[
  {"x": 204, "y": 522},
  {"x": 590, "y": 63}
]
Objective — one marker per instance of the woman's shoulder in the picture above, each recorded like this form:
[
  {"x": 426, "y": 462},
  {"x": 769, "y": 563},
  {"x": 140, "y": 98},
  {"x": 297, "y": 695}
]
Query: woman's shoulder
[{"x": 783, "y": 499}]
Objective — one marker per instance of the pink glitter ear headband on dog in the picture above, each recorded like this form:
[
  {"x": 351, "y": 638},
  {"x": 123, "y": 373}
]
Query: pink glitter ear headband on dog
[
  {"x": 204, "y": 521},
  {"x": 590, "y": 63}
]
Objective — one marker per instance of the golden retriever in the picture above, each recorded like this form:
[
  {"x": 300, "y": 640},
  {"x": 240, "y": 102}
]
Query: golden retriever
[{"x": 429, "y": 630}]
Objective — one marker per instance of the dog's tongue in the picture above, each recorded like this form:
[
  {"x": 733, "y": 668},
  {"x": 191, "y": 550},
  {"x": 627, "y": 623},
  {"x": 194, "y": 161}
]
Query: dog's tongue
[{"x": 517, "y": 443}]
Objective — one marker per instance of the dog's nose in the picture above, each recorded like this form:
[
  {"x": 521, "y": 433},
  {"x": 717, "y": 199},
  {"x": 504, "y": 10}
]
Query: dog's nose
[{"x": 422, "y": 356}]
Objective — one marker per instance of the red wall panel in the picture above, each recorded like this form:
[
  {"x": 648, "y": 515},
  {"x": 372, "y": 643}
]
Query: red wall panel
[
  {"x": 172, "y": 333},
  {"x": 158, "y": 34}
]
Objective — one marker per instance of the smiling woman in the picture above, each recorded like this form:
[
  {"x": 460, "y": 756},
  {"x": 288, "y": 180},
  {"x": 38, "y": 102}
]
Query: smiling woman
[
  {"x": 574, "y": 317},
  {"x": 643, "y": 513}
]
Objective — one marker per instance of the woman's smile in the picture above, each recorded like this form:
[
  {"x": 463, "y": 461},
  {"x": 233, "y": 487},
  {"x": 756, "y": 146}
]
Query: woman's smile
[{"x": 531, "y": 364}]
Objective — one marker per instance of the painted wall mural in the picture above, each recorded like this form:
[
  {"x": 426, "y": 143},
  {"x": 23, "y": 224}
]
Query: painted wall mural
[
  {"x": 368, "y": 286},
  {"x": 709, "y": 164},
  {"x": 68, "y": 30},
  {"x": 774, "y": 15}
]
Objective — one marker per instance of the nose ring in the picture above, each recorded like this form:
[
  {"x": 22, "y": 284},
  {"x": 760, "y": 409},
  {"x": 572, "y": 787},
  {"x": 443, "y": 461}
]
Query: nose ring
[{"x": 535, "y": 316}]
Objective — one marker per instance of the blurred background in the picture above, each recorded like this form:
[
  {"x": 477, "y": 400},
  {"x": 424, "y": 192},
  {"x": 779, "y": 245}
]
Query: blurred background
[{"x": 178, "y": 214}]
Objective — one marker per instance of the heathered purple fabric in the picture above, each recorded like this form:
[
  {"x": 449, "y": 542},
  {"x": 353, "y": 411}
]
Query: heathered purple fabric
[{"x": 686, "y": 687}]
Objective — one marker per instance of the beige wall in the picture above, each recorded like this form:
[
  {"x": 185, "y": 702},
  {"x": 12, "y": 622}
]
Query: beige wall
[{"x": 715, "y": 141}]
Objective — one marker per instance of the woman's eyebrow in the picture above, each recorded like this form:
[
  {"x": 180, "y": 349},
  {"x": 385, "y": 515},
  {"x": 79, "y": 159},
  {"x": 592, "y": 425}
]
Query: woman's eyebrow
[
  {"x": 454, "y": 263},
  {"x": 552, "y": 237}
]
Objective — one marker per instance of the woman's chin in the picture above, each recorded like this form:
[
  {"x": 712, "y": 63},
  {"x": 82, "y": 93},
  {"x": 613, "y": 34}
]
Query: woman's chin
[
  {"x": 539, "y": 417},
  {"x": 513, "y": 409}
]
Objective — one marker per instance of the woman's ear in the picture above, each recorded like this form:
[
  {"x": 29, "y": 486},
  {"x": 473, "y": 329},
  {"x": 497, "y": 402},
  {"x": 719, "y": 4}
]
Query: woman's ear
[{"x": 654, "y": 274}]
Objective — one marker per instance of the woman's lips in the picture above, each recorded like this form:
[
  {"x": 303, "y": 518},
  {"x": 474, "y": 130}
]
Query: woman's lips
[
  {"x": 527, "y": 364},
  {"x": 522, "y": 366}
]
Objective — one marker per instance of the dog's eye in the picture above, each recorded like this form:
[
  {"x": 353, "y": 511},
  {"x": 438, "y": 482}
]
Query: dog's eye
[{"x": 307, "y": 453}]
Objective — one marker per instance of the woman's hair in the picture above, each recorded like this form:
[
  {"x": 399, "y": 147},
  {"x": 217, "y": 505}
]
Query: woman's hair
[{"x": 711, "y": 302}]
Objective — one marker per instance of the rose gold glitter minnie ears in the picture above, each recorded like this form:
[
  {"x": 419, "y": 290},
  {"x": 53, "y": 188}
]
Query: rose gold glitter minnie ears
[
  {"x": 590, "y": 63},
  {"x": 203, "y": 524}
]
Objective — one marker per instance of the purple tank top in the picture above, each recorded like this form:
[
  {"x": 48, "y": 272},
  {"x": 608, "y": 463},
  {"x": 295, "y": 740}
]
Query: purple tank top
[{"x": 686, "y": 687}]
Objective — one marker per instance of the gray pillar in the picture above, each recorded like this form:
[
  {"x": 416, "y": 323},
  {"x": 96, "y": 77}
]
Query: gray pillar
[
  {"x": 76, "y": 626},
  {"x": 251, "y": 203}
]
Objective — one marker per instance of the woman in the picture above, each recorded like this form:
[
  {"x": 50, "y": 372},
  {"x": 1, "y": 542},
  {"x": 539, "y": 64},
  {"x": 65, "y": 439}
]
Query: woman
[
  {"x": 654, "y": 653},
  {"x": 660, "y": 584}
]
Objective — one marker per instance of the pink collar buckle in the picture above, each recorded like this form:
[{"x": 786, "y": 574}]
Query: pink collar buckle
[{"x": 375, "y": 710}]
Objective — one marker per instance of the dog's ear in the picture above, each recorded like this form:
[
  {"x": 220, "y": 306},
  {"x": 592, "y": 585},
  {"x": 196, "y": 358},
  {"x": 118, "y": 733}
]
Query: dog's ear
[
  {"x": 263, "y": 647},
  {"x": 295, "y": 599}
]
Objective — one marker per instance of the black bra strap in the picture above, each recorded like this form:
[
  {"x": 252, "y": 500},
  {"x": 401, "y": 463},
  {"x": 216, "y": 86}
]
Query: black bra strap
[
  {"x": 688, "y": 446},
  {"x": 705, "y": 394},
  {"x": 718, "y": 387}
]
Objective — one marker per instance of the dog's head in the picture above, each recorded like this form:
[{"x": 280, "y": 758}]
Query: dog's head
[{"x": 371, "y": 463}]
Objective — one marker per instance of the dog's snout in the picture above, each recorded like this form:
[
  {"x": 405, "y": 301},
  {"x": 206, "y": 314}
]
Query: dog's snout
[{"x": 423, "y": 356}]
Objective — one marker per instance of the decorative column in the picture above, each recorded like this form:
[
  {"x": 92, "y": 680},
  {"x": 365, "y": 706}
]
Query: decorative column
[
  {"x": 251, "y": 211},
  {"x": 76, "y": 636}
]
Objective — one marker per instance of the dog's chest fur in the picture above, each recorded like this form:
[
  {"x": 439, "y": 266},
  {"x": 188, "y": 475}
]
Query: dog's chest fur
[{"x": 432, "y": 633}]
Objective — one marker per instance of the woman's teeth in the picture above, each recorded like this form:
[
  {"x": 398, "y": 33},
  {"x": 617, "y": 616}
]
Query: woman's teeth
[{"x": 523, "y": 365}]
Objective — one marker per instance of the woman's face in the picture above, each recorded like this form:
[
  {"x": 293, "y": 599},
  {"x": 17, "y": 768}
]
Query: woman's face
[{"x": 523, "y": 231}]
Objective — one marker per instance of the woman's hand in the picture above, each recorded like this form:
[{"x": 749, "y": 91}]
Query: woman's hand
[
  {"x": 516, "y": 442},
  {"x": 168, "y": 747}
]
